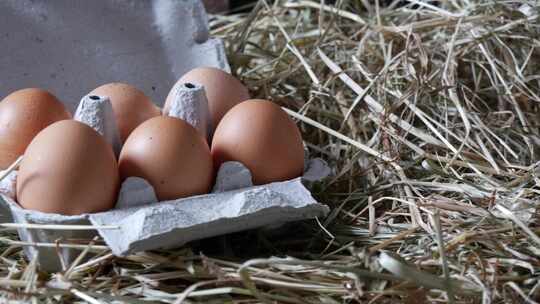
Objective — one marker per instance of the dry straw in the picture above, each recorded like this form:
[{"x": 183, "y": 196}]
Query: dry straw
[{"x": 428, "y": 111}]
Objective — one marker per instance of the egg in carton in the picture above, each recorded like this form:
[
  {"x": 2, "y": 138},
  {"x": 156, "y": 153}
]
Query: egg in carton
[{"x": 139, "y": 222}]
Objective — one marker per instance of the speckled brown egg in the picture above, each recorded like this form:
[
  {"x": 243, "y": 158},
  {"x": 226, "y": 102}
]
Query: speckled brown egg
[
  {"x": 23, "y": 114},
  {"x": 260, "y": 135},
  {"x": 223, "y": 91},
  {"x": 130, "y": 105},
  {"x": 171, "y": 155},
  {"x": 69, "y": 169}
]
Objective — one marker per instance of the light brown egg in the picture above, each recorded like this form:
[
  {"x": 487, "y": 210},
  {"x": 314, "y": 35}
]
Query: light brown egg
[
  {"x": 23, "y": 114},
  {"x": 223, "y": 91},
  {"x": 260, "y": 135},
  {"x": 131, "y": 106},
  {"x": 68, "y": 169},
  {"x": 171, "y": 155}
]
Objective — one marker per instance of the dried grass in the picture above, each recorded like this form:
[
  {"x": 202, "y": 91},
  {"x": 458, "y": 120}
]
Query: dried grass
[{"x": 429, "y": 114}]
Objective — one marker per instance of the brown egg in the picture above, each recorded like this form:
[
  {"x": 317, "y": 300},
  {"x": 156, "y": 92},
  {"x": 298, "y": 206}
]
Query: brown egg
[
  {"x": 171, "y": 155},
  {"x": 131, "y": 107},
  {"x": 260, "y": 135},
  {"x": 68, "y": 169},
  {"x": 23, "y": 114},
  {"x": 223, "y": 91}
]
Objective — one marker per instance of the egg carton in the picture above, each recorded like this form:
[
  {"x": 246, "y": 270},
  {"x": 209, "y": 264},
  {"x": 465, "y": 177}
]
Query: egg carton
[
  {"x": 140, "y": 222},
  {"x": 105, "y": 39}
]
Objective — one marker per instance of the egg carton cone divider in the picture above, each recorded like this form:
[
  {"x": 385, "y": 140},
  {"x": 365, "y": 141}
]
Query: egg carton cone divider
[{"x": 189, "y": 103}]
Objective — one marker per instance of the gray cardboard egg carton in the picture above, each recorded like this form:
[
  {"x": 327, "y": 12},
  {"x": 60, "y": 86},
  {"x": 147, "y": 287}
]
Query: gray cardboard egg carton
[{"x": 119, "y": 39}]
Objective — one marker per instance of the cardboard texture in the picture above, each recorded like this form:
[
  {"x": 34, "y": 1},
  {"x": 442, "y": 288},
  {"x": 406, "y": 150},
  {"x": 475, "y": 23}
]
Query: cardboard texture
[
  {"x": 71, "y": 47},
  {"x": 189, "y": 103},
  {"x": 97, "y": 112}
]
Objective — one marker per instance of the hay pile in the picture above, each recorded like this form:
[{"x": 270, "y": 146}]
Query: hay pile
[{"x": 429, "y": 114}]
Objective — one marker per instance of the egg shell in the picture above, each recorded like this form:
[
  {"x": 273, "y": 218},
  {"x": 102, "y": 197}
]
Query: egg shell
[
  {"x": 223, "y": 91},
  {"x": 130, "y": 105},
  {"x": 171, "y": 155},
  {"x": 23, "y": 114},
  {"x": 68, "y": 169},
  {"x": 260, "y": 135}
]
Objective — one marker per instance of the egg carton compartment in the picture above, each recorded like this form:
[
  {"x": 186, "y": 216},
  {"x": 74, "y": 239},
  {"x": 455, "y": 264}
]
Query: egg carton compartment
[{"x": 145, "y": 224}]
